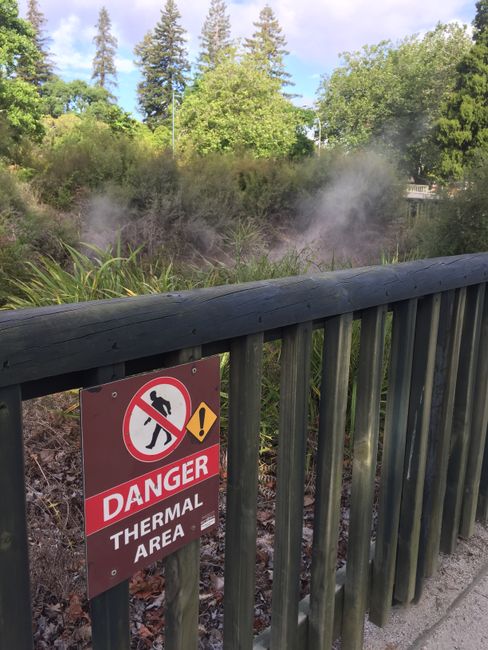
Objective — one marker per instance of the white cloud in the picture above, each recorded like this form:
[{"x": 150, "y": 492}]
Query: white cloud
[
  {"x": 124, "y": 65},
  {"x": 68, "y": 45}
]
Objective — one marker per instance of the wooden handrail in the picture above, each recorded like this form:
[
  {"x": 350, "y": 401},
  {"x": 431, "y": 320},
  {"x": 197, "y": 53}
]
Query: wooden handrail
[{"x": 53, "y": 341}]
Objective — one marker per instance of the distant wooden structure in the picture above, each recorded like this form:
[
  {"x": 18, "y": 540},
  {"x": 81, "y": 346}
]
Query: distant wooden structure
[{"x": 417, "y": 197}]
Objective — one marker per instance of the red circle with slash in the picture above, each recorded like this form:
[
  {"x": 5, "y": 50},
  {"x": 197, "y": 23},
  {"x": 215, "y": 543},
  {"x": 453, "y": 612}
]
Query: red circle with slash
[{"x": 157, "y": 415}]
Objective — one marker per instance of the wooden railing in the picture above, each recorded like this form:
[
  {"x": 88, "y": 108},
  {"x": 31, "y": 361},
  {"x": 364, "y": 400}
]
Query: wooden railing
[{"x": 433, "y": 477}]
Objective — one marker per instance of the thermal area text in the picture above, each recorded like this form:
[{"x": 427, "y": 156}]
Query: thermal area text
[{"x": 162, "y": 519}]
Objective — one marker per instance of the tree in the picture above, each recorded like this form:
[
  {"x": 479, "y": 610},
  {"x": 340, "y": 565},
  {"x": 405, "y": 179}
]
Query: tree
[
  {"x": 267, "y": 47},
  {"x": 19, "y": 100},
  {"x": 215, "y": 37},
  {"x": 163, "y": 61},
  {"x": 104, "y": 70},
  {"x": 43, "y": 68},
  {"x": 235, "y": 107},
  {"x": 391, "y": 95},
  {"x": 80, "y": 98},
  {"x": 462, "y": 129}
]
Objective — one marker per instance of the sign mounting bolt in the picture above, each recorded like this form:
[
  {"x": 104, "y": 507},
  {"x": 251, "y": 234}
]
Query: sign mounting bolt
[
  {"x": 114, "y": 394},
  {"x": 114, "y": 572},
  {"x": 193, "y": 371}
]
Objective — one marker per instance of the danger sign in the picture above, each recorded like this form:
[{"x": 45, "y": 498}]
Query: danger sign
[{"x": 151, "y": 467}]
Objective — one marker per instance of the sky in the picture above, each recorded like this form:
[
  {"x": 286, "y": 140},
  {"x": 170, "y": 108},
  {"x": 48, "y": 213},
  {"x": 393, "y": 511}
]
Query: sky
[{"x": 317, "y": 31}]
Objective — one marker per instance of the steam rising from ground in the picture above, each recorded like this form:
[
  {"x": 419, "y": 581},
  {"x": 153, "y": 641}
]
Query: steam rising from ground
[{"x": 349, "y": 219}]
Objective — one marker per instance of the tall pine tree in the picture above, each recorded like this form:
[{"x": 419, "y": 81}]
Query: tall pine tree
[
  {"x": 104, "y": 70},
  {"x": 19, "y": 100},
  {"x": 163, "y": 61},
  {"x": 267, "y": 47},
  {"x": 215, "y": 36},
  {"x": 463, "y": 128},
  {"x": 43, "y": 68}
]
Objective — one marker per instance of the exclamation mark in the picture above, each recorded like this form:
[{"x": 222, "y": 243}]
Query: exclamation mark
[{"x": 201, "y": 415}]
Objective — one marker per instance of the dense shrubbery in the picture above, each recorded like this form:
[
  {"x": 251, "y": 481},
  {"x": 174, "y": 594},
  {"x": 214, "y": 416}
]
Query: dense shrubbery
[
  {"x": 167, "y": 203},
  {"x": 460, "y": 222},
  {"x": 26, "y": 231}
]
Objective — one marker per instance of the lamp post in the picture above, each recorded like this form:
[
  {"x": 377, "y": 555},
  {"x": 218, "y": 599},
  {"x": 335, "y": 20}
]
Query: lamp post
[
  {"x": 173, "y": 120},
  {"x": 320, "y": 133}
]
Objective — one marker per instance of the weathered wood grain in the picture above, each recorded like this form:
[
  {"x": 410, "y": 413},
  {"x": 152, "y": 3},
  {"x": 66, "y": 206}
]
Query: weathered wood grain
[
  {"x": 294, "y": 390},
  {"x": 462, "y": 416},
  {"x": 110, "y": 610},
  {"x": 52, "y": 341},
  {"x": 332, "y": 421},
  {"x": 182, "y": 577},
  {"x": 419, "y": 410},
  {"x": 383, "y": 573},
  {"x": 15, "y": 603},
  {"x": 479, "y": 423},
  {"x": 482, "y": 512},
  {"x": 365, "y": 448},
  {"x": 242, "y": 491},
  {"x": 451, "y": 324}
]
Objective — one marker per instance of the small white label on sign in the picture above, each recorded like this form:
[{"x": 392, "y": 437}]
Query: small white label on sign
[{"x": 207, "y": 521}]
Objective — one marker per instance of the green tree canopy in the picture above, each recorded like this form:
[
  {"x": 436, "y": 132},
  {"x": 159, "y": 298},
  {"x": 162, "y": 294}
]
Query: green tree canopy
[
  {"x": 235, "y": 107},
  {"x": 215, "y": 36},
  {"x": 463, "y": 127},
  {"x": 163, "y": 61},
  {"x": 104, "y": 70},
  {"x": 19, "y": 101},
  {"x": 79, "y": 97},
  {"x": 42, "y": 70},
  {"x": 391, "y": 94},
  {"x": 267, "y": 47}
]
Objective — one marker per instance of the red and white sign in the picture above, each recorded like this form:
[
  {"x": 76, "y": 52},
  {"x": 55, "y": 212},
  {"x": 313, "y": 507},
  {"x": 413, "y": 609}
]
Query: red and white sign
[
  {"x": 150, "y": 484},
  {"x": 122, "y": 501},
  {"x": 162, "y": 405}
]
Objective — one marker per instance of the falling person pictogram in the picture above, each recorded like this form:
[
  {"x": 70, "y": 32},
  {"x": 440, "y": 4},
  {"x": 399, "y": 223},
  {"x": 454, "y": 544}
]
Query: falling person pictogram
[{"x": 164, "y": 407}]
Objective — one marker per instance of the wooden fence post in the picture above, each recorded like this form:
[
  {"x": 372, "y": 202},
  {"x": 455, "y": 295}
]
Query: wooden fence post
[
  {"x": 383, "y": 573},
  {"x": 110, "y": 610},
  {"x": 479, "y": 423},
  {"x": 365, "y": 449},
  {"x": 182, "y": 577},
  {"x": 15, "y": 603},
  {"x": 242, "y": 490},
  {"x": 294, "y": 391},
  {"x": 330, "y": 459},
  {"x": 462, "y": 416},
  {"x": 419, "y": 410}
]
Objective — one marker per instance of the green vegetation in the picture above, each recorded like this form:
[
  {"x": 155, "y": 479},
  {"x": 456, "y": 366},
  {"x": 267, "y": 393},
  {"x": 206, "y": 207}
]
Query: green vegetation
[
  {"x": 104, "y": 71},
  {"x": 267, "y": 47},
  {"x": 42, "y": 70},
  {"x": 215, "y": 36},
  {"x": 463, "y": 127},
  {"x": 19, "y": 100},
  {"x": 240, "y": 171},
  {"x": 236, "y": 107},
  {"x": 391, "y": 95},
  {"x": 163, "y": 61}
]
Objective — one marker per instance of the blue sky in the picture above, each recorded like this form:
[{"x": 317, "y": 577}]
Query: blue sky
[{"x": 316, "y": 31}]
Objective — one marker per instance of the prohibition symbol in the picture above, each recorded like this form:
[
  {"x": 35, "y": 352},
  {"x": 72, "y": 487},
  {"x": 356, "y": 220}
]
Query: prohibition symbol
[{"x": 155, "y": 420}]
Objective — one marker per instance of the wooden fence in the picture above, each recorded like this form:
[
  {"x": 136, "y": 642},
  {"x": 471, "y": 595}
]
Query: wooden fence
[{"x": 433, "y": 477}]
